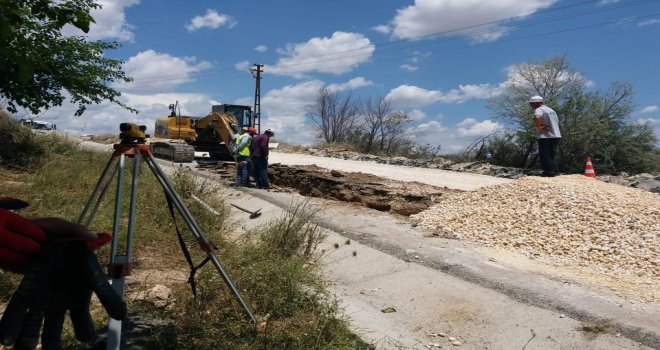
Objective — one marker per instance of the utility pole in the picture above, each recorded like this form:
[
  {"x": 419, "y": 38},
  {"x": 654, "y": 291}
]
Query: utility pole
[{"x": 256, "y": 73}]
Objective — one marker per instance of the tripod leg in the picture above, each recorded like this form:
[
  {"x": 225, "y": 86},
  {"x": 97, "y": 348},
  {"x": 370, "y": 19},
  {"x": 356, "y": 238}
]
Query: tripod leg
[
  {"x": 117, "y": 281},
  {"x": 102, "y": 185},
  {"x": 196, "y": 230},
  {"x": 120, "y": 263}
]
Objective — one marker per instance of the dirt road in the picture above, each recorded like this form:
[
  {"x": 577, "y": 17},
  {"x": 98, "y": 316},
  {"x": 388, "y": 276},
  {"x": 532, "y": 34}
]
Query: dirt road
[
  {"x": 441, "y": 288},
  {"x": 434, "y": 177},
  {"x": 483, "y": 298},
  {"x": 403, "y": 287}
]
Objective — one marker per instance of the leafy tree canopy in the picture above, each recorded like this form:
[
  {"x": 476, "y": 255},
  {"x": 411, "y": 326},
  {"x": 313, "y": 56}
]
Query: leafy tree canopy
[
  {"x": 592, "y": 122},
  {"x": 40, "y": 67}
]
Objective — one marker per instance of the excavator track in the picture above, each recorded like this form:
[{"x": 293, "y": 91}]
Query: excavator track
[{"x": 175, "y": 152}]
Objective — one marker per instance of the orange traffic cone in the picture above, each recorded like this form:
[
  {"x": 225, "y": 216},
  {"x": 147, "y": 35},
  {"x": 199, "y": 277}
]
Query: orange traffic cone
[{"x": 589, "y": 169}]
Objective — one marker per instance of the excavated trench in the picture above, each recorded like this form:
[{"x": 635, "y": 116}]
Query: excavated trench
[{"x": 403, "y": 198}]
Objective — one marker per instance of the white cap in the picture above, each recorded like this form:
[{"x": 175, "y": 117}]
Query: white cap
[
  {"x": 536, "y": 98},
  {"x": 270, "y": 131}
]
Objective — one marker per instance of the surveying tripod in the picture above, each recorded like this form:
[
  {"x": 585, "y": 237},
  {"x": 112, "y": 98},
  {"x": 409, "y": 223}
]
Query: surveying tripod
[{"x": 133, "y": 145}]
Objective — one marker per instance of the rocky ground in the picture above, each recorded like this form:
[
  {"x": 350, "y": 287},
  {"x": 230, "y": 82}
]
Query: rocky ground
[
  {"x": 569, "y": 221},
  {"x": 607, "y": 237},
  {"x": 649, "y": 182}
]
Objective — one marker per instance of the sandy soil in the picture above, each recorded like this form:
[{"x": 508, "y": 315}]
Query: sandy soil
[
  {"x": 484, "y": 298},
  {"x": 434, "y": 177}
]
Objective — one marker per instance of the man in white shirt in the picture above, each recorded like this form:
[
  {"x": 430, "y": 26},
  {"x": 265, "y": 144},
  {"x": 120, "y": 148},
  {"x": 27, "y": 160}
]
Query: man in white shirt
[{"x": 547, "y": 133}]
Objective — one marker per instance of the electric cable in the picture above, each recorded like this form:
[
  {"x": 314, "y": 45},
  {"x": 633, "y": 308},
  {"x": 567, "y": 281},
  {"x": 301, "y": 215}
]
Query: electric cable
[{"x": 414, "y": 43}]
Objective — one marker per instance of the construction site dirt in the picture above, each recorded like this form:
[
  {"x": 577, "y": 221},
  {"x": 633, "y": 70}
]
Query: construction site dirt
[
  {"x": 445, "y": 291},
  {"x": 373, "y": 211},
  {"x": 397, "y": 197}
]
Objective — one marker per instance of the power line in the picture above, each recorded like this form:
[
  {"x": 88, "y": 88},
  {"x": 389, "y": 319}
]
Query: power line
[
  {"x": 522, "y": 37},
  {"x": 555, "y": 19},
  {"x": 209, "y": 75},
  {"x": 455, "y": 30}
]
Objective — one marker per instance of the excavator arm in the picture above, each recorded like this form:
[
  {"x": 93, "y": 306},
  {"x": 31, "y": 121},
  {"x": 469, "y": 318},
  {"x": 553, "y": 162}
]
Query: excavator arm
[
  {"x": 178, "y": 138},
  {"x": 214, "y": 129}
]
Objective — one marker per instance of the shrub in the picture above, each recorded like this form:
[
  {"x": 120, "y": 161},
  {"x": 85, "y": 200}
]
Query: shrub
[{"x": 19, "y": 148}]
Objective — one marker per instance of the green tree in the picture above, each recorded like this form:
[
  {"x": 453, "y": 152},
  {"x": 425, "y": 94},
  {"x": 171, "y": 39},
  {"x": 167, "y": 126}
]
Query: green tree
[
  {"x": 40, "y": 67},
  {"x": 593, "y": 123}
]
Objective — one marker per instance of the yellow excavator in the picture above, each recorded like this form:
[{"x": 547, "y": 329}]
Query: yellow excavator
[{"x": 177, "y": 137}]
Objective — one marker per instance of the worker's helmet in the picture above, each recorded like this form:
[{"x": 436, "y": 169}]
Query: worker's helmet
[
  {"x": 536, "y": 98},
  {"x": 270, "y": 131}
]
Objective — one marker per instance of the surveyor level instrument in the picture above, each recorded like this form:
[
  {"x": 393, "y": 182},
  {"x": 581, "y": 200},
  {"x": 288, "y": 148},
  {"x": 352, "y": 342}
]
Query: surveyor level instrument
[{"x": 133, "y": 145}]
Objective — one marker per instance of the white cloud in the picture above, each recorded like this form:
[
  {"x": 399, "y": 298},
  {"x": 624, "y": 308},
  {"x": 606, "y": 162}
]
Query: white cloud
[
  {"x": 606, "y": 2},
  {"x": 408, "y": 67},
  {"x": 453, "y": 139},
  {"x": 471, "y": 127},
  {"x": 338, "y": 54},
  {"x": 286, "y": 108},
  {"x": 652, "y": 121},
  {"x": 430, "y": 128},
  {"x": 110, "y": 22},
  {"x": 212, "y": 19},
  {"x": 151, "y": 93},
  {"x": 650, "y": 109},
  {"x": 416, "y": 114},
  {"x": 243, "y": 65},
  {"x": 427, "y": 17},
  {"x": 155, "y": 72},
  {"x": 648, "y": 23},
  {"x": 261, "y": 48},
  {"x": 413, "y": 96},
  {"x": 105, "y": 118},
  {"x": 383, "y": 29},
  {"x": 352, "y": 84},
  {"x": 416, "y": 57},
  {"x": 469, "y": 92}
]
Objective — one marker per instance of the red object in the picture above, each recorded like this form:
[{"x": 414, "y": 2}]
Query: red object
[
  {"x": 589, "y": 169},
  {"x": 20, "y": 239},
  {"x": 94, "y": 244}
]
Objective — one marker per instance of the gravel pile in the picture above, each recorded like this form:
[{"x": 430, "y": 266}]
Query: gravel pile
[{"x": 567, "y": 220}]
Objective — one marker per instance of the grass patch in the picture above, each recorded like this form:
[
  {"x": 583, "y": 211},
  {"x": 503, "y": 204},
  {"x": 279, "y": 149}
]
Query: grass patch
[
  {"x": 20, "y": 147},
  {"x": 273, "y": 267}
]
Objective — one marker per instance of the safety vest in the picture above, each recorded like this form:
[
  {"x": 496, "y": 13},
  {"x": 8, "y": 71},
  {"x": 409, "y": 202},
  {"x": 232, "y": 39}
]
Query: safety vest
[{"x": 245, "y": 151}]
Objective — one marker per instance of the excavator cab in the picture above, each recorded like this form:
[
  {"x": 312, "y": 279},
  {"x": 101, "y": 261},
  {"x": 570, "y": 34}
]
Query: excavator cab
[
  {"x": 242, "y": 114},
  {"x": 219, "y": 128}
]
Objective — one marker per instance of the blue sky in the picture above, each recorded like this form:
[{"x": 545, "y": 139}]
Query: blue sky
[{"x": 435, "y": 59}]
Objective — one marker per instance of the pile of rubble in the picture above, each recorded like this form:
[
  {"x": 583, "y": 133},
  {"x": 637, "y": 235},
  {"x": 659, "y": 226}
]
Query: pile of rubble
[
  {"x": 567, "y": 220},
  {"x": 648, "y": 182}
]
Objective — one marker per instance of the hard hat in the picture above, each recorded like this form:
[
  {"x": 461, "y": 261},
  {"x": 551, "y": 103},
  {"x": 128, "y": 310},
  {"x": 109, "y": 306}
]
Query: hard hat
[
  {"x": 270, "y": 131},
  {"x": 536, "y": 98}
]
